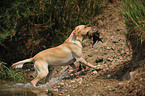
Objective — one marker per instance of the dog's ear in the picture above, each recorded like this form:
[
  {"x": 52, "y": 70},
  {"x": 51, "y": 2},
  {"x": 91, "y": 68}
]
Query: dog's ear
[
  {"x": 76, "y": 31},
  {"x": 73, "y": 37}
]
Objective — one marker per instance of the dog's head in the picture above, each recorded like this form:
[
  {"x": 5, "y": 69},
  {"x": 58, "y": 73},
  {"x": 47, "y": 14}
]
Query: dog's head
[{"x": 82, "y": 31}]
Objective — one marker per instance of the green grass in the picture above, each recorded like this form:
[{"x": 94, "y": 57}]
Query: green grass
[
  {"x": 134, "y": 15},
  {"x": 9, "y": 74},
  {"x": 54, "y": 17}
]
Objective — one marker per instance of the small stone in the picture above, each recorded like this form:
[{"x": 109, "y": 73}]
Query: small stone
[
  {"x": 120, "y": 83},
  {"x": 79, "y": 80},
  {"x": 108, "y": 48},
  {"x": 56, "y": 90},
  {"x": 132, "y": 74},
  {"x": 127, "y": 53},
  {"x": 72, "y": 81},
  {"x": 94, "y": 72},
  {"x": 61, "y": 83},
  {"x": 122, "y": 52},
  {"x": 19, "y": 84},
  {"x": 110, "y": 59},
  {"x": 58, "y": 86},
  {"x": 65, "y": 91},
  {"x": 108, "y": 75},
  {"x": 69, "y": 86}
]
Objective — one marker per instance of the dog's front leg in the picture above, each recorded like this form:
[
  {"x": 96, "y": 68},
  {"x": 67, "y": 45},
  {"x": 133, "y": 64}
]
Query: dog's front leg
[{"x": 82, "y": 60}]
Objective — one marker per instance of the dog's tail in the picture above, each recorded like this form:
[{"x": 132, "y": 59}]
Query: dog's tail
[{"x": 20, "y": 63}]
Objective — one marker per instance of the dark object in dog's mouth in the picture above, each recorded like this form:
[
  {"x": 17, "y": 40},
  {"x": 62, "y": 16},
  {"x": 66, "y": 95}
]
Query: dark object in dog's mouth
[{"x": 95, "y": 37}]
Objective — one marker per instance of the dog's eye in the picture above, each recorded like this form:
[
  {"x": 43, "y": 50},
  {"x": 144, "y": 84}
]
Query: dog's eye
[{"x": 85, "y": 27}]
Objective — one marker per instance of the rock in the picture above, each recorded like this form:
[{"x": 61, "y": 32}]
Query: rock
[
  {"x": 65, "y": 91},
  {"x": 110, "y": 48},
  {"x": 110, "y": 59},
  {"x": 109, "y": 75},
  {"x": 69, "y": 86},
  {"x": 19, "y": 84},
  {"x": 61, "y": 83},
  {"x": 28, "y": 85},
  {"x": 72, "y": 81},
  {"x": 99, "y": 67},
  {"x": 56, "y": 90},
  {"x": 132, "y": 75},
  {"x": 94, "y": 72},
  {"x": 79, "y": 80}
]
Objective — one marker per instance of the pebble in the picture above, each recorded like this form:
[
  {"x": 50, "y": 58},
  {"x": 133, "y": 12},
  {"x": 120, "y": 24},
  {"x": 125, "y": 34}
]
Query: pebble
[
  {"x": 108, "y": 48},
  {"x": 58, "y": 86},
  {"x": 69, "y": 86},
  {"x": 61, "y": 83},
  {"x": 79, "y": 80},
  {"x": 72, "y": 81},
  {"x": 19, "y": 84},
  {"x": 94, "y": 72},
  {"x": 56, "y": 90},
  {"x": 110, "y": 59},
  {"x": 109, "y": 75}
]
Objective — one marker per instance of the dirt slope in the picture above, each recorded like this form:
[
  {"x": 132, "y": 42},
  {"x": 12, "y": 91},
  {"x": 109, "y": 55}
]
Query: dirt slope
[
  {"x": 121, "y": 74},
  {"x": 114, "y": 55}
]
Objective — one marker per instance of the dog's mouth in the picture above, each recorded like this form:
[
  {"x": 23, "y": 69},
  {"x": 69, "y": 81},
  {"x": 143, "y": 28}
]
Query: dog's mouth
[{"x": 94, "y": 35}]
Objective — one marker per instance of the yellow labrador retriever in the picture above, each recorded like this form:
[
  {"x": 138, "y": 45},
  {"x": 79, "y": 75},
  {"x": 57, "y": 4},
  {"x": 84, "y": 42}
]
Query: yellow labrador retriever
[{"x": 64, "y": 54}]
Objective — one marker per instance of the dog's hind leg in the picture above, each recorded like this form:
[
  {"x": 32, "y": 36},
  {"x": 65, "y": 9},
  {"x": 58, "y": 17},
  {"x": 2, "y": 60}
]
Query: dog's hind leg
[
  {"x": 42, "y": 69},
  {"x": 50, "y": 69}
]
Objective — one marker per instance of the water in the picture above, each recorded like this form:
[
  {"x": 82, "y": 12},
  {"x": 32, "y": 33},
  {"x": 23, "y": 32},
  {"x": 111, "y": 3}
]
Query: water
[
  {"x": 25, "y": 89},
  {"x": 15, "y": 89},
  {"x": 8, "y": 88}
]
